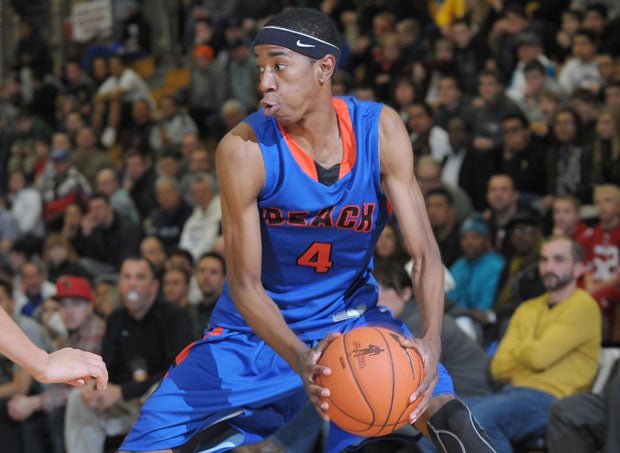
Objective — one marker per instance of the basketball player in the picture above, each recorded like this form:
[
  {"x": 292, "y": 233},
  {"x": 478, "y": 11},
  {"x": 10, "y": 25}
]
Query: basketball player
[
  {"x": 72, "y": 366},
  {"x": 305, "y": 185}
]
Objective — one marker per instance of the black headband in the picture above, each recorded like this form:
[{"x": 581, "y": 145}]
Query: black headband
[{"x": 299, "y": 42}]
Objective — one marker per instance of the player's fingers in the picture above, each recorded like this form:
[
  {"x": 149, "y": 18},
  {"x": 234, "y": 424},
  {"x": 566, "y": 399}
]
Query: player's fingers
[{"x": 321, "y": 345}]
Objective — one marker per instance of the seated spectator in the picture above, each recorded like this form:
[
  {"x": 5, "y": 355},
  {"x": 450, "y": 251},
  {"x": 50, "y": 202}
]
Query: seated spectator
[
  {"x": 612, "y": 92},
  {"x": 550, "y": 350},
  {"x": 60, "y": 258},
  {"x": 176, "y": 287},
  {"x": 203, "y": 226},
  {"x": 427, "y": 138},
  {"x": 9, "y": 228},
  {"x": 586, "y": 422},
  {"x": 428, "y": 173},
  {"x": 451, "y": 102},
  {"x": 14, "y": 380},
  {"x": 210, "y": 275},
  {"x": 585, "y": 104},
  {"x": 520, "y": 279},
  {"x": 65, "y": 185},
  {"x": 71, "y": 220},
  {"x": 567, "y": 217},
  {"x": 78, "y": 85},
  {"x": 581, "y": 71},
  {"x": 43, "y": 414},
  {"x": 465, "y": 167},
  {"x": 114, "y": 96},
  {"x": 569, "y": 159},
  {"x": 476, "y": 275},
  {"x": 48, "y": 316},
  {"x": 441, "y": 214},
  {"x": 174, "y": 122},
  {"x": 108, "y": 183},
  {"x": 87, "y": 157},
  {"x": 200, "y": 160},
  {"x": 141, "y": 340},
  {"x": 141, "y": 131},
  {"x": 105, "y": 238},
  {"x": 167, "y": 220},
  {"x": 470, "y": 54},
  {"x": 537, "y": 82},
  {"x": 495, "y": 106},
  {"x": 107, "y": 298},
  {"x": 26, "y": 205},
  {"x": 502, "y": 197},
  {"x": 390, "y": 245},
  {"x": 135, "y": 32},
  {"x": 523, "y": 159},
  {"x": 139, "y": 181},
  {"x": 153, "y": 250},
  {"x": 34, "y": 288},
  {"x": 602, "y": 254},
  {"x": 606, "y": 159}
]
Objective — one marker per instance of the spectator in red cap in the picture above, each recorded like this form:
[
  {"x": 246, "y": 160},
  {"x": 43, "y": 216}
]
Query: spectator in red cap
[{"x": 85, "y": 332}]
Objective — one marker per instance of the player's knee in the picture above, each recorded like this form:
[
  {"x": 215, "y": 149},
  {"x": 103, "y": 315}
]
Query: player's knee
[{"x": 453, "y": 428}]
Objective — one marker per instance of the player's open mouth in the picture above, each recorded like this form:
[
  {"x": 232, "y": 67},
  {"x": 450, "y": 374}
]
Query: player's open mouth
[{"x": 269, "y": 108}]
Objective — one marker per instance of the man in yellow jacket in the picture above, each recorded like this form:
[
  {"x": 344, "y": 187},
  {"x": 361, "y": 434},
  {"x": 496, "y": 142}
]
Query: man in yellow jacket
[{"x": 550, "y": 350}]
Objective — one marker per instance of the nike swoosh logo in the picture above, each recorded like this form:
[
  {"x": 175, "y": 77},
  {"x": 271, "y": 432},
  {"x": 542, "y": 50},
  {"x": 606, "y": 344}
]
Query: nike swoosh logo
[{"x": 301, "y": 44}]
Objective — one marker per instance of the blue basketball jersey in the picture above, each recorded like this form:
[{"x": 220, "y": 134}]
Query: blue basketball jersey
[{"x": 317, "y": 240}]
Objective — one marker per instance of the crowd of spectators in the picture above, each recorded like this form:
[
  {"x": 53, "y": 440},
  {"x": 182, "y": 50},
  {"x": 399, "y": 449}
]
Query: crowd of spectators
[{"x": 513, "y": 109}]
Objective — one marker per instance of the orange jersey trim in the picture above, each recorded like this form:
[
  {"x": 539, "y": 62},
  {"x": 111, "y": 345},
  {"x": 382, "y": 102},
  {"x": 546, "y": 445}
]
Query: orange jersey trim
[{"x": 347, "y": 135}]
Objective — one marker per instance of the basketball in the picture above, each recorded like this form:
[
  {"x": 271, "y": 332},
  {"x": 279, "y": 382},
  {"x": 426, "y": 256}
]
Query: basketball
[{"x": 372, "y": 378}]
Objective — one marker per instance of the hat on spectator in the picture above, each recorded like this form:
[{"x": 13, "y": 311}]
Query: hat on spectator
[
  {"x": 524, "y": 217},
  {"x": 59, "y": 154},
  {"x": 205, "y": 51},
  {"x": 528, "y": 38},
  {"x": 475, "y": 222},
  {"x": 70, "y": 286}
]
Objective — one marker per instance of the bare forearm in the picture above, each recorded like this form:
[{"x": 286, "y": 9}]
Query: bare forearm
[
  {"x": 17, "y": 346},
  {"x": 427, "y": 278}
]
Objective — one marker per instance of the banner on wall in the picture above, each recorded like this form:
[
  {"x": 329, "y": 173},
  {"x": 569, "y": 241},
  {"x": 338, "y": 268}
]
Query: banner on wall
[{"x": 90, "y": 19}]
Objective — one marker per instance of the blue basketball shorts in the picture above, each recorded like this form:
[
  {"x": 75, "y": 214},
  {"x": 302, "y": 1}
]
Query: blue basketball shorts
[{"x": 227, "y": 372}]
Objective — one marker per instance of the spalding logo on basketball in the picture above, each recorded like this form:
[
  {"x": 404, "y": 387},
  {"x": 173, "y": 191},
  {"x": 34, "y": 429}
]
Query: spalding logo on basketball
[{"x": 372, "y": 378}]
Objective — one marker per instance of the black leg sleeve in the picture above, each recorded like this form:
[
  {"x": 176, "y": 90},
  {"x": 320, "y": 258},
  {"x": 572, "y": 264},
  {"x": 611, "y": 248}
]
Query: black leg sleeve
[{"x": 454, "y": 429}]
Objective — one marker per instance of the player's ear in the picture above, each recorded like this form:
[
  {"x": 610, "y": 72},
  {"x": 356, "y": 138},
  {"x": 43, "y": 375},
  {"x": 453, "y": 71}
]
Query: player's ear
[{"x": 327, "y": 66}]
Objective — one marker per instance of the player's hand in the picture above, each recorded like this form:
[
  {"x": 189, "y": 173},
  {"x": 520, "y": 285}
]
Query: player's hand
[
  {"x": 73, "y": 366},
  {"x": 310, "y": 369},
  {"x": 429, "y": 352}
]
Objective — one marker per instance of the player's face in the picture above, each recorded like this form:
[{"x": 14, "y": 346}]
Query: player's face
[
  {"x": 287, "y": 81},
  {"x": 556, "y": 266}
]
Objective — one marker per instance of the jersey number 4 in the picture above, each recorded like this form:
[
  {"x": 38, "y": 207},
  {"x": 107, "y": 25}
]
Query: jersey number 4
[{"x": 318, "y": 256}]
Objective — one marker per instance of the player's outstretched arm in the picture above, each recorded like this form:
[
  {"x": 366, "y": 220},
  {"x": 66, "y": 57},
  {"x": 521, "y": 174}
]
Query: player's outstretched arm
[
  {"x": 241, "y": 175},
  {"x": 72, "y": 366},
  {"x": 403, "y": 191}
]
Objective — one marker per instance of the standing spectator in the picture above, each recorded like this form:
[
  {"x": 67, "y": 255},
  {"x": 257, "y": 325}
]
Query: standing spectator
[
  {"x": 85, "y": 332},
  {"x": 550, "y": 350},
  {"x": 602, "y": 254},
  {"x": 441, "y": 213},
  {"x": 135, "y": 32},
  {"x": 470, "y": 54},
  {"x": 203, "y": 226},
  {"x": 108, "y": 183},
  {"x": 476, "y": 275},
  {"x": 32, "y": 58},
  {"x": 78, "y": 85},
  {"x": 106, "y": 238},
  {"x": 569, "y": 160},
  {"x": 167, "y": 220},
  {"x": 141, "y": 131},
  {"x": 141, "y": 340}
]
